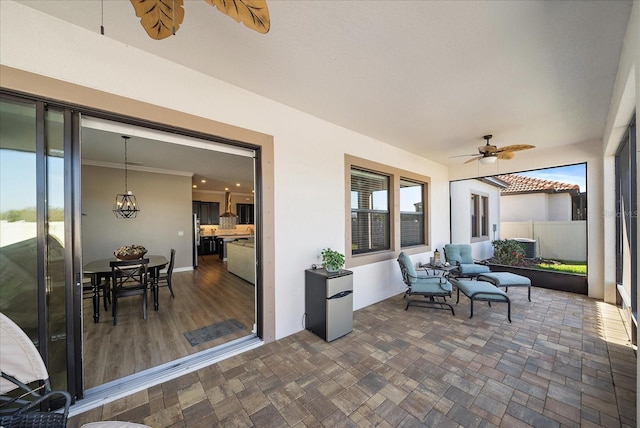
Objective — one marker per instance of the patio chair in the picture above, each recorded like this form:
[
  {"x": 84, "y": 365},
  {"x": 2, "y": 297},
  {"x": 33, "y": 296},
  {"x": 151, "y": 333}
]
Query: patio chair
[
  {"x": 26, "y": 397},
  {"x": 459, "y": 255},
  {"x": 164, "y": 280},
  {"x": 430, "y": 287},
  {"x": 128, "y": 278}
]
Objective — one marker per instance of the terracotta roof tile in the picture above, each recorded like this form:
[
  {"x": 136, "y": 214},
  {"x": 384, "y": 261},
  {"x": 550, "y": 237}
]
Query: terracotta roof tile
[{"x": 521, "y": 184}]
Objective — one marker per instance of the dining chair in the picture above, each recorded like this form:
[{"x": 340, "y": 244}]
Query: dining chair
[
  {"x": 95, "y": 292},
  {"x": 164, "y": 280},
  {"x": 129, "y": 278}
]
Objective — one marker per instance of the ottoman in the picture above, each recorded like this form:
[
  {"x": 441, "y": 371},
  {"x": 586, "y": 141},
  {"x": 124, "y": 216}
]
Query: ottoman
[
  {"x": 506, "y": 280},
  {"x": 482, "y": 290}
]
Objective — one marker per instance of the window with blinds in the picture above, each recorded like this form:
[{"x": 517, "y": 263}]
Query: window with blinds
[
  {"x": 370, "y": 215},
  {"x": 411, "y": 213},
  {"x": 479, "y": 216}
]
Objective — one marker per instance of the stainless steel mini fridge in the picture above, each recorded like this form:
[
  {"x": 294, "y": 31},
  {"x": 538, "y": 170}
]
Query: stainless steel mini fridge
[{"x": 329, "y": 303}]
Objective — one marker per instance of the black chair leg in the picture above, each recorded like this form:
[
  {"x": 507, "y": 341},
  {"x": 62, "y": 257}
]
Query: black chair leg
[
  {"x": 144, "y": 305},
  {"x": 114, "y": 309},
  {"x": 170, "y": 288}
]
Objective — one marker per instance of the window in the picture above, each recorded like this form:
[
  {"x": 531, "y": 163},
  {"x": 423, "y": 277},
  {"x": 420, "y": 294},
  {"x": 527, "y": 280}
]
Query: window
[
  {"x": 388, "y": 212},
  {"x": 479, "y": 216},
  {"x": 411, "y": 213},
  {"x": 369, "y": 211}
]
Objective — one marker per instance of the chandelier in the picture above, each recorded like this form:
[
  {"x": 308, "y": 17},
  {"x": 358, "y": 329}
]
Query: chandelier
[{"x": 126, "y": 205}]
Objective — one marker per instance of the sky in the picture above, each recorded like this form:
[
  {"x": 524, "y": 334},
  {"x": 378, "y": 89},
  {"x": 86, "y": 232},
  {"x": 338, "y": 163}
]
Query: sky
[
  {"x": 572, "y": 174},
  {"x": 18, "y": 176}
]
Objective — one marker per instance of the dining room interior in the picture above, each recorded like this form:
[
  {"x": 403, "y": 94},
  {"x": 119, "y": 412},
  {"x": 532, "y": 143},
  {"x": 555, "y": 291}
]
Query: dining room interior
[{"x": 212, "y": 305}]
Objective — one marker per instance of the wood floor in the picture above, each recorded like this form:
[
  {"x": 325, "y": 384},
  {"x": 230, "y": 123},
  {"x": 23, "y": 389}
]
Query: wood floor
[{"x": 204, "y": 296}]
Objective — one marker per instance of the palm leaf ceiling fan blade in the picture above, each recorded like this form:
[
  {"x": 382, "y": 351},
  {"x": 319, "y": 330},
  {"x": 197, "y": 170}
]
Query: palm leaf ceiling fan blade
[
  {"x": 159, "y": 18},
  {"x": 254, "y": 14},
  {"x": 505, "y": 155},
  {"x": 515, "y": 148},
  {"x": 162, "y": 18}
]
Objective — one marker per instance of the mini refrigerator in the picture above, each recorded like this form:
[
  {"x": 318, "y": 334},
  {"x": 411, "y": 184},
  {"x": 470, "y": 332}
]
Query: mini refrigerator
[{"x": 329, "y": 303}]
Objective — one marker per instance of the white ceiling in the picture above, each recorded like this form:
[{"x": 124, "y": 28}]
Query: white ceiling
[{"x": 431, "y": 77}]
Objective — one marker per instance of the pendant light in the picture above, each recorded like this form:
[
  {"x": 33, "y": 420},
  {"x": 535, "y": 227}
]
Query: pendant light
[{"x": 126, "y": 205}]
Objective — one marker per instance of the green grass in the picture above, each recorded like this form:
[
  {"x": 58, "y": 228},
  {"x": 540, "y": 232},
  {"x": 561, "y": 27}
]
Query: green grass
[{"x": 569, "y": 268}]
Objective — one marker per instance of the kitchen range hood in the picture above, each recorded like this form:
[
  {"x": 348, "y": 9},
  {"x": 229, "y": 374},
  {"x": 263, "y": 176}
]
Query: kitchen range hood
[{"x": 228, "y": 220}]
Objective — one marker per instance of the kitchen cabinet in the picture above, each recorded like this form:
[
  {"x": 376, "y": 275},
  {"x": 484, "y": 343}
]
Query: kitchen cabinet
[
  {"x": 205, "y": 213},
  {"x": 245, "y": 213},
  {"x": 208, "y": 212},
  {"x": 207, "y": 245}
]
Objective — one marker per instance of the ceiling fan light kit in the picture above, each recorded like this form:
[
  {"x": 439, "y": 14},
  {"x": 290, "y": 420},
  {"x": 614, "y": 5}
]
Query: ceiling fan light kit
[{"x": 488, "y": 160}]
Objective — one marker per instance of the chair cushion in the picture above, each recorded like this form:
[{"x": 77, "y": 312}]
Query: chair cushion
[
  {"x": 458, "y": 253},
  {"x": 431, "y": 285},
  {"x": 408, "y": 265},
  {"x": 482, "y": 290},
  {"x": 502, "y": 279},
  {"x": 472, "y": 269}
]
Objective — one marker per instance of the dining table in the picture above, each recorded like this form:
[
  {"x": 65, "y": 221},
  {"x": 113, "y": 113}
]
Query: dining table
[{"x": 99, "y": 270}]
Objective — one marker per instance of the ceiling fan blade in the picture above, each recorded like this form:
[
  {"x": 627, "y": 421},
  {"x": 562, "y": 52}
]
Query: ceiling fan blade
[
  {"x": 515, "y": 148},
  {"x": 461, "y": 156},
  {"x": 160, "y": 19},
  {"x": 473, "y": 159},
  {"x": 505, "y": 155},
  {"x": 254, "y": 14}
]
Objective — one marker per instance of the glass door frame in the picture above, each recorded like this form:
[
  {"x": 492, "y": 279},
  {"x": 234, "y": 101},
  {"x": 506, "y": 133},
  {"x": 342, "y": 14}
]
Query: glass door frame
[{"x": 43, "y": 274}]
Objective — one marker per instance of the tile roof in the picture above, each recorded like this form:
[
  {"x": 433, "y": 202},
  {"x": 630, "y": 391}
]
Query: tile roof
[{"x": 520, "y": 184}]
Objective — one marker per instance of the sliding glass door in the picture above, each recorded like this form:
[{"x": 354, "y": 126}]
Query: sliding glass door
[
  {"x": 35, "y": 280},
  {"x": 627, "y": 218},
  {"x": 48, "y": 201}
]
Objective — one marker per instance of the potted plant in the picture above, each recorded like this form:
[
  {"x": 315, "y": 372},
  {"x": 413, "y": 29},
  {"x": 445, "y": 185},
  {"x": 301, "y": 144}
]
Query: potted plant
[{"x": 332, "y": 260}]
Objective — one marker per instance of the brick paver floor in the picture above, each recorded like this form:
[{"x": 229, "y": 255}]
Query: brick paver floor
[{"x": 564, "y": 361}]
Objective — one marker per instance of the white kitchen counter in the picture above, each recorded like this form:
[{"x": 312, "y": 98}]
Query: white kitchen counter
[{"x": 232, "y": 237}]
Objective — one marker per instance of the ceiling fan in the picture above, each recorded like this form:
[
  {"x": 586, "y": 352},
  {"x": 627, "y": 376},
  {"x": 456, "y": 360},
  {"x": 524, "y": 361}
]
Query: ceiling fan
[
  {"x": 162, "y": 18},
  {"x": 490, "y": 154}
]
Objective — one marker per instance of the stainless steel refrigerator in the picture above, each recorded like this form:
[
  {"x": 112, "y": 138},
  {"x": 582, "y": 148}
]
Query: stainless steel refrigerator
[
  {"x": 196, "y": 239},
  {"x": 329, "y": 303}
]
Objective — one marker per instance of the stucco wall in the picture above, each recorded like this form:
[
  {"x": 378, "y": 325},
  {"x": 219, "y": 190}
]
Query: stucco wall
[
  {"x": 461, "y": 215},
  {"x": 559, "y": 207},
  {"x": 524, "y": 207},
  {"x": 536, "y": 207}
]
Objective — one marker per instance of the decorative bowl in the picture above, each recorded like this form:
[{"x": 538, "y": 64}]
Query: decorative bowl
[{"x": 130, "y": 252}]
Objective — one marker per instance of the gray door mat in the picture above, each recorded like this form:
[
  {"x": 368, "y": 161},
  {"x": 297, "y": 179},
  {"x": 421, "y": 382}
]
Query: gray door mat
[{"x": 213, "y": 331}]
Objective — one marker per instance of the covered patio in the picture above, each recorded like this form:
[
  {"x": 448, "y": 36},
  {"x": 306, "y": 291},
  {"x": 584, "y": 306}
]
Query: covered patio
[{"x": 564, "y": 361}]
